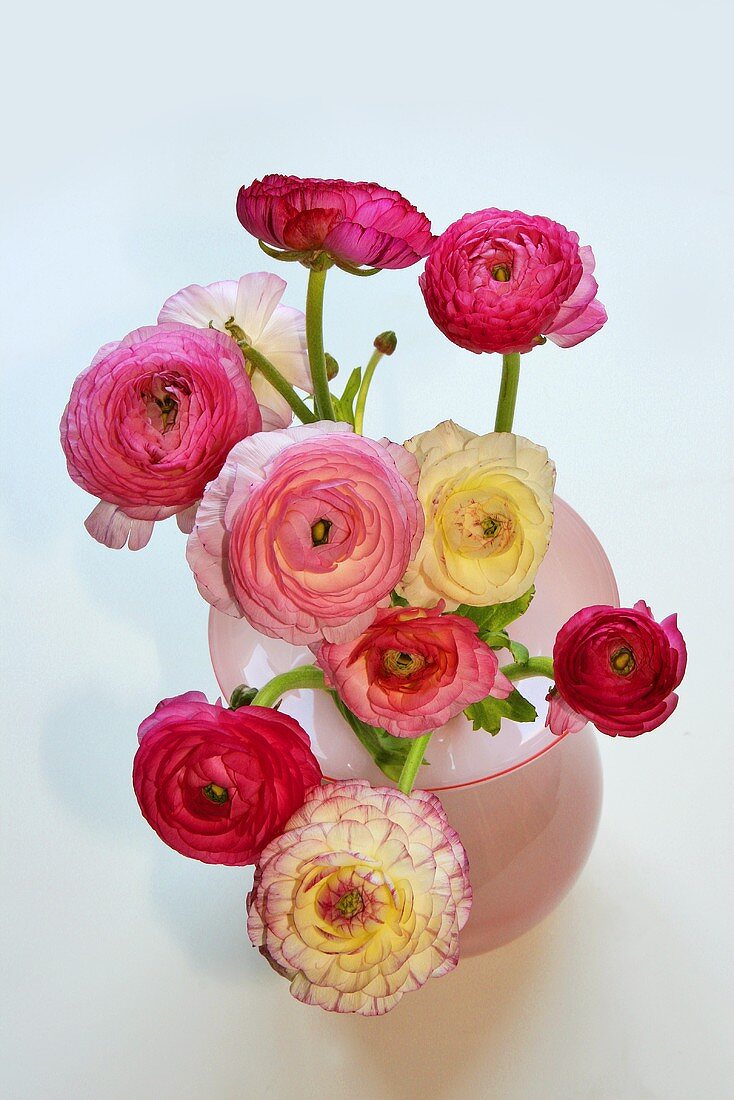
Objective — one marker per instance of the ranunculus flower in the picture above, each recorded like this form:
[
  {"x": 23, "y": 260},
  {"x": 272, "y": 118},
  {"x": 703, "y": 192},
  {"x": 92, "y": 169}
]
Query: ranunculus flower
[
  {"x": 306, "y": 530},
  {"x": 362, "y": 897},
  {"x": 488, "y": 502},
  {"x": 150, "y": 422},
  {"x": 618, "y": 667},
  {"x": 248, "y": 309},
  {"x": 413, "y": 669},
  {"x": 354, "y": 223},
  {"x": 500, "y": 280},
  {"x": 218, "y": 784}
]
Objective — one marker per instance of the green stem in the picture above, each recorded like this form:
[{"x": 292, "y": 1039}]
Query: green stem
[
  {"x": 307, "y": 676},
  {"x": 315, "y": 342},
  {"x": 364, "y": 389},
  {"x": 413, "y": 761},
  {"x": 508, "y": 392},
  {"x": 535, "y": 666},
  {"x": 272, "y": 375}
]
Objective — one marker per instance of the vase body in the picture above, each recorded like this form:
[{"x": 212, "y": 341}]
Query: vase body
[{"x": 525, "y": 803}]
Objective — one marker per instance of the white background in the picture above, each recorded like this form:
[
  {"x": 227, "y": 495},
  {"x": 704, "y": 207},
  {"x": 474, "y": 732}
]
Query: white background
[{"x": 129, "y": 129}]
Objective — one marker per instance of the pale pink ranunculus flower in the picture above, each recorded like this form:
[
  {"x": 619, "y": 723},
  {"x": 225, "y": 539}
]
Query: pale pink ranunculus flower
[
  {"x": 362, "y": 897},
  {"x": 150, "y": 422},
  {"x": 413, "y": 669},
  {"x": 501, "y": 281},
  {"x": 249, "y": 308},
  {"x": 306, "y": 530}
]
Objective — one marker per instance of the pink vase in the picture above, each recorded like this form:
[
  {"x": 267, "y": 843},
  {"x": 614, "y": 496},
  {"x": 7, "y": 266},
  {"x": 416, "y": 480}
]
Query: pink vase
[{"x": 525, "y": 803}]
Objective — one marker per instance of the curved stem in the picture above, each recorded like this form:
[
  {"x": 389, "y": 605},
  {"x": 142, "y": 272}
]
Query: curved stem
[
  {"x": 364, "y": 389},
  {"x": 272, "y": 375},
  {"x": 535, "y": 666},
  {"x": 413, "y": 761},
  {"x": 508, "y": 392},
  {"x": 307, "y": 676},
  {"x": 315, "y": 342}
]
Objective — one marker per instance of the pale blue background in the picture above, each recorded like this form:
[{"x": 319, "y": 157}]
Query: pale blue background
[{"x": 127, "y": 133}]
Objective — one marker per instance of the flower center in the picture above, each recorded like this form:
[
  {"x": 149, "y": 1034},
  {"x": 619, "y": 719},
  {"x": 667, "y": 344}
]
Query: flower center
[
  {"x": 350, "y": 904},
  {"x": 320, "y": 532},
  {"x": 399, "y": 663},
  {"x": 169, "y": 410},
  {"x": 622, "y": 661},
  {"x": 501, "y": 273},
  {"x": 216, "y": 794}
]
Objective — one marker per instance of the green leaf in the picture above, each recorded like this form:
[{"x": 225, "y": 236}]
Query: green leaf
[
  {"x": 346, "y": 401},
  {"x": 488, "y": 714},
  {"x": 388, "y": 752},
  {"x": 491, "y": 620},
  {"x": 398, "y": 601},
  {"x": 520, "y": 653}
]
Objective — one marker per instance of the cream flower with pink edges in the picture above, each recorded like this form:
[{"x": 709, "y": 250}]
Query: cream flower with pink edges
[{"x": 362, "y": 897}]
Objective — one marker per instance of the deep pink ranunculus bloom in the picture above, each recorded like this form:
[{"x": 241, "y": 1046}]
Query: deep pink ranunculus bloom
[
  {"x": 619, "y": 668},
  {"x": 218, "y": 784},
  {"x": 150, "y": 422},
  {"x": 413, "y": 669},
  {"x": 354, "y": 223},
  {"x": 500, "y": 280},
  {"x": 306, "y": 530}
]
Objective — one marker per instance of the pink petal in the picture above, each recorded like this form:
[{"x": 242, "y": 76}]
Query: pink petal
[
  {"x": 112, "y": 527},
  {"x": 561, "y": 719}
]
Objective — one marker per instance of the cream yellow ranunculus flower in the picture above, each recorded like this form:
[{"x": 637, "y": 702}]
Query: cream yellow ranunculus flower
[
  {"x": 362, "y": 898},
  {"x": 488, "y": 502}
]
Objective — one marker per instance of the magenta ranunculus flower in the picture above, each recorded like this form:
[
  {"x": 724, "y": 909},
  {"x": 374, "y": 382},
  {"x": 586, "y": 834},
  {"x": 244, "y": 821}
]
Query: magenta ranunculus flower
[
  {"x": 354, "y": 223},
  {"x": 306, "y": 530},
  {"x": 618, "y": 668},
  {"x": 150, "y": 422},
  {"x": 413, "y": 669},
  {"x": 218, "y": 784},
  {"x": 362, "y": 897},
  {"x": 500, "y": 280}
]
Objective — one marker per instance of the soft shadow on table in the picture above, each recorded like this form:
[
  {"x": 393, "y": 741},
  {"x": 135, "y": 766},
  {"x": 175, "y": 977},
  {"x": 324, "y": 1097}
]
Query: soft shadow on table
[{"x": 433, "y": 1040}]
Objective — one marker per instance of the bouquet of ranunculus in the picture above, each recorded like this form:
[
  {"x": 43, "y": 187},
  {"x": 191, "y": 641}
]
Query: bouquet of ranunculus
[{"x": 401, "y": 566}]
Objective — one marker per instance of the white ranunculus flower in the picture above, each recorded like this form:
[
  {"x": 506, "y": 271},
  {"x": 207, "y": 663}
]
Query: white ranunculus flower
[
  {"x": 488, "y": 503},
  {"x": 278, "y": 332}
]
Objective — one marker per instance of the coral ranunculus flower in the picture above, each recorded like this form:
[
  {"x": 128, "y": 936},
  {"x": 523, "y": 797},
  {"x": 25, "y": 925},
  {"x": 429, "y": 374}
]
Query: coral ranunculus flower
[
  {"x": 218, "y": 784},
  {"x": 488, "y": 503},
  {"x": 500, "y": 280},
  {"x": 413, "y": 669},
  {"x": 150, "y": 422},
  {"x": 362, "y": 897},
  {"x": 619, "y": 668},
  {"x": 353, "y": 223},
  {"x": 248, "y": 309},
  {"x": 306, "y": 530}
]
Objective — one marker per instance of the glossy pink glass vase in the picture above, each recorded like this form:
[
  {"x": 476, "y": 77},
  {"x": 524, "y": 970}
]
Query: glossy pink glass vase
[{"x": 525, "y": 803}]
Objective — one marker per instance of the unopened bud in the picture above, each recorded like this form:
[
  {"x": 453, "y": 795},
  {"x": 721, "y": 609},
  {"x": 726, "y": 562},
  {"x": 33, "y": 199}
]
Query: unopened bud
[
  {"x": 386, "y": 342},
  {"x": 332, "y": 367},
  {"x": 242, "y": 696}
]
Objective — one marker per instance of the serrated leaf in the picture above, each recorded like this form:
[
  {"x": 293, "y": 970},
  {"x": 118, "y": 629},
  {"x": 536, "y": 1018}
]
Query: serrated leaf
[
  {"x": 488, "y": 714},
  {"x": 491, "y": 620},
  {"x": 388, "y": 752}
]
